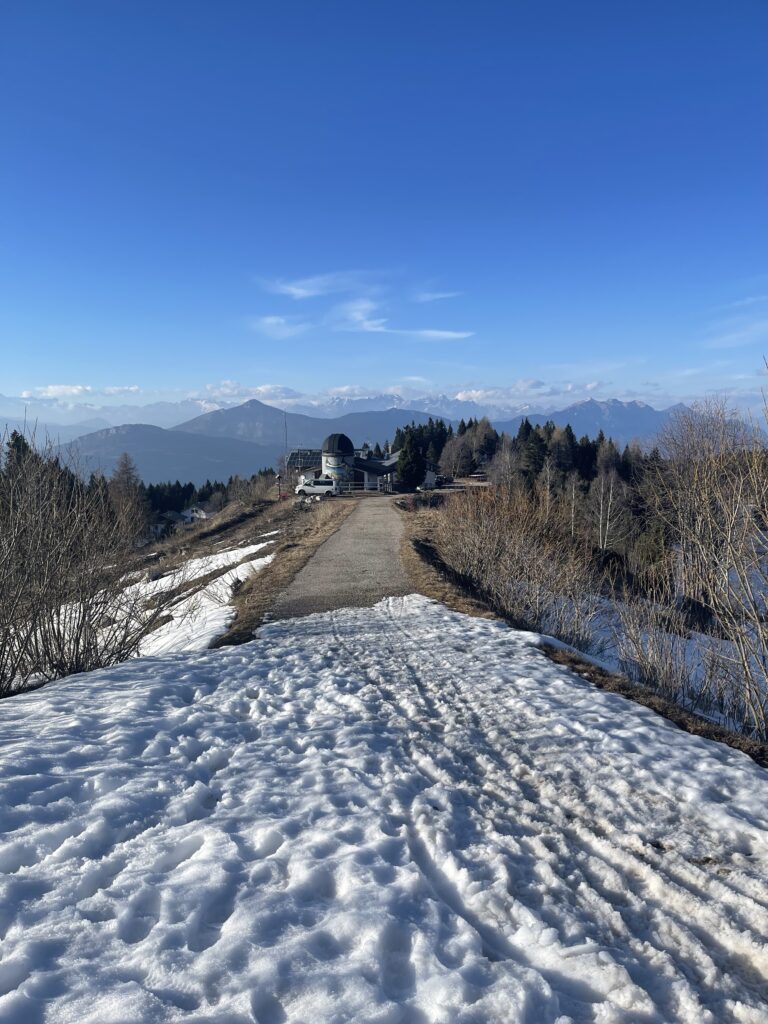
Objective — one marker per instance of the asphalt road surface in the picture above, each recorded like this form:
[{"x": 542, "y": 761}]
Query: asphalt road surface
[{"x": 356, "y": 567}]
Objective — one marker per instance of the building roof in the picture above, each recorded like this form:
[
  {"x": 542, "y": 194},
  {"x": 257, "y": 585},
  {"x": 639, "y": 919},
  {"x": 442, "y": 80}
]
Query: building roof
[
  {"x": 338, "y": 444},
  {"x": 376, "y": 468},
  {"x": 304, "y": 458}
]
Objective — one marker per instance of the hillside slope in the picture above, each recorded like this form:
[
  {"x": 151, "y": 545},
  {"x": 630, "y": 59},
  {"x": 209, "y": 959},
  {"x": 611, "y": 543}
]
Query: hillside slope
[
  {"x": 162, "y": 454},
  {"x": 374, "y": 815}
]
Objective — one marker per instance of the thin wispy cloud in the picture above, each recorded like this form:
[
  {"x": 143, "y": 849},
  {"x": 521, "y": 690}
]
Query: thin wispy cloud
[
  {"x": 435, "y": 296},
  {"x": 435, "y": 335},
  {"x": 361, "y": 311},
  {"x": 358, "y": 315},
  {"x": 319, "y": 284},
  {"x": 738, "y": 333},
  {"x": 750, "y": 300},
  {"x": 278, "y": 327}
]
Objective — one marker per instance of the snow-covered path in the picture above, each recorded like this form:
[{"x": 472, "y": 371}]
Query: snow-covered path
[{"x": 397, "y": 814}]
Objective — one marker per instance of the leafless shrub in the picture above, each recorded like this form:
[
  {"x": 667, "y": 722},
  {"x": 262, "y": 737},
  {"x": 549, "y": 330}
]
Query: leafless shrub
[
  {"x": 651, "y": 640},
  {"x": 511, "y": 545},
  {"x": 67, "y": 556}
]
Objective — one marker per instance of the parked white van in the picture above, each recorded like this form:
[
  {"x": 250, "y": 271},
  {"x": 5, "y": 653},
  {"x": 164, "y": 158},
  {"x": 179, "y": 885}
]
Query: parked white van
[{"x": 323, "y": 487}]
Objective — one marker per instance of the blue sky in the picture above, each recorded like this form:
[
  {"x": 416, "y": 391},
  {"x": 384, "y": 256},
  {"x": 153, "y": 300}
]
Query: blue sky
[{"x": 528, "y": 198}]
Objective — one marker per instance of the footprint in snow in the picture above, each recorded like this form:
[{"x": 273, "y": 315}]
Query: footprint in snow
[{"x": 140, "y": 918}]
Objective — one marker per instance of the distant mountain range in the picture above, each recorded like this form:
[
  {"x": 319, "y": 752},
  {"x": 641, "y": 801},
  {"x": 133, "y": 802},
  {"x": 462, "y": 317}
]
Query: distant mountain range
[
  {"x": 436, "y": 405},
  {"x": 623, "y": 421},
  {"x": 245, "y": 438},
  {"x": 162, "y": 454},
  {"x": 55, "y": 433},
  {"x": 226, "y": 442},
  {"x": 64, "y": 420},
  {"x": 264, "y": 424}
]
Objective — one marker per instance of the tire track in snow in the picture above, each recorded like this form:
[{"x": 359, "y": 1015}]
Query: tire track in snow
[{"x": 576, "y": 997}]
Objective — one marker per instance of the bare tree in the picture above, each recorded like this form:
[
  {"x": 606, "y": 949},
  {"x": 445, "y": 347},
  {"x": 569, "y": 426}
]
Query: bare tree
[
  {"x": 607, "y": 495},
  {"x": 712, "y": 493},
  {"x": 505, "y": 466},
  {"x": 651, "y": 639},
  {"x": 126, "y": 493},
  {"x": 456, "y": 458}
]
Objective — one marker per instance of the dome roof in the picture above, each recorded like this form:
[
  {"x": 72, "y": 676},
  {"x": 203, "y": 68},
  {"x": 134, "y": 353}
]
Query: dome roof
[{"x": 338, "y": 444}]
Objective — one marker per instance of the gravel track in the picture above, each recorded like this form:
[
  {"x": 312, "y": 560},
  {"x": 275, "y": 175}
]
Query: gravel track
[{"x": 356, "y": 567}]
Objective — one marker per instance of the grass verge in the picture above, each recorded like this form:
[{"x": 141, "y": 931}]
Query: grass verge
[{"x": 426, "y": 571}]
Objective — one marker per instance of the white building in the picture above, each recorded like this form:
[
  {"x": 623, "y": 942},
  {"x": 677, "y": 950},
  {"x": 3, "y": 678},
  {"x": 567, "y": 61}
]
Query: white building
[{"x": 341, "y": 463}]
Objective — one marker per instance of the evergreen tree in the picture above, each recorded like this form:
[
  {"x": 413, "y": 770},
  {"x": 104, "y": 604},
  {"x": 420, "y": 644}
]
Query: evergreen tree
[
  {"x": 534, "y": 454},
  {"x": 608, "y": 457},
  {"x": 17, "y": 449},
  {"x": 484, "y": 441},
  {"x": 524, "y": 431},
  {"x": 562, "y": 448},
  {"x": 586, "y": 458},
  {"x": 411, "y": 465}
]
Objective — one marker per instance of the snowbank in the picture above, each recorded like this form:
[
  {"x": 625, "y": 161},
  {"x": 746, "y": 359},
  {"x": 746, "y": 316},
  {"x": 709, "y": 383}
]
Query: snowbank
[{"x": 398, "y": 814}]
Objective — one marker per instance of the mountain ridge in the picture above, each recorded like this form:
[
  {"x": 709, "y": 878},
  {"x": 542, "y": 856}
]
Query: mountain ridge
[
  {"x": 243, "y": 439},
  {"x": 260, "y": 423}
]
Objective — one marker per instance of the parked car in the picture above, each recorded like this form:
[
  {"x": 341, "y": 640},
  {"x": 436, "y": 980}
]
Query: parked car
[{"x": 321, "y": 487}]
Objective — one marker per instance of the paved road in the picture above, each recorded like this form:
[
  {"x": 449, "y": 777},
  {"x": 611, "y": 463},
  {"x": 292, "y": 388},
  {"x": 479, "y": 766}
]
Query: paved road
[{"x": 356, "y": 567}]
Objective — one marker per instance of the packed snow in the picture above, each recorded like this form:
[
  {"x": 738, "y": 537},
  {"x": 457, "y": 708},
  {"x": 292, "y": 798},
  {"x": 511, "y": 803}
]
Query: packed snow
[{"x": 396, "y": 815}]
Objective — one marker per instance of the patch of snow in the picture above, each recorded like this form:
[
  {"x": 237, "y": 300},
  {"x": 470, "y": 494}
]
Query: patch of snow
[
  {"x": 397, "y": 814},
  {"x": 204, "y": 614},
  {"x": 198, "y": 619},
  {"x": 196, "y": 567}
]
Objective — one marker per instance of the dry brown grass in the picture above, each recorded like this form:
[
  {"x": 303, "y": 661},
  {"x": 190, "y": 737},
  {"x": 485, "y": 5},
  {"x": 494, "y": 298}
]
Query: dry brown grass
[
  {"x": 427, "y": 572},
  {"x": 431, "y": 577},
  {"x": 235, "y": 526},
  {"x": 304, "y": 529}
]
